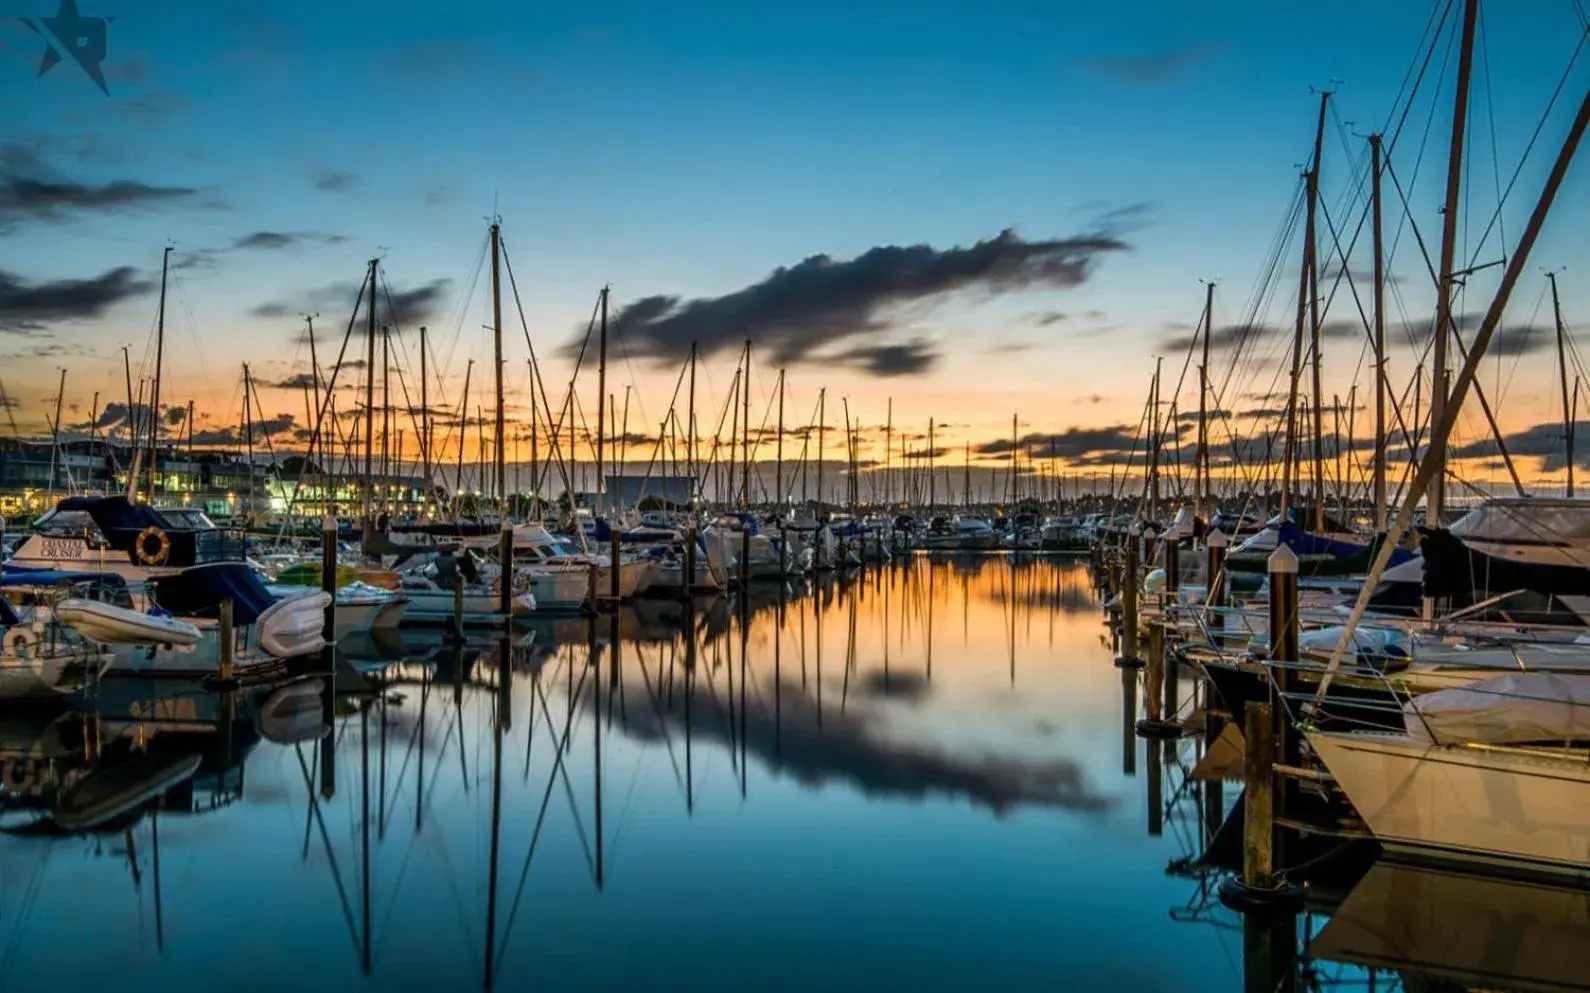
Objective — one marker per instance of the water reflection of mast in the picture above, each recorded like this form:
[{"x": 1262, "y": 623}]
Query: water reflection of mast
[
  {"x": 690, "y": 692},
  {"x": 932, "y": 568},
  {"x": 596, "y": 738},
  {"x": 745, "y": 648},
  {"x": 1129, "y": 722},
  {"x": 778, "y": 664},
  {"x": 504, "y": 691}
]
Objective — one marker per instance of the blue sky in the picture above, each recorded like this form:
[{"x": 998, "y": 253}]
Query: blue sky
[{"x": 691, "y": 149}]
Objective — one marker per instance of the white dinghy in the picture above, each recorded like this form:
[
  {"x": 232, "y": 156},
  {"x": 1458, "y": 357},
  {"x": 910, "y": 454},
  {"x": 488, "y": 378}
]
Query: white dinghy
[{"x": 110, "y": 625}]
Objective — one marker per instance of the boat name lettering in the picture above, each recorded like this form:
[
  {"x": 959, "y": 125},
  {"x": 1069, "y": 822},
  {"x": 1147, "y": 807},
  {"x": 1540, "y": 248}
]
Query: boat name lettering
[{"x": 63, "y": 548}]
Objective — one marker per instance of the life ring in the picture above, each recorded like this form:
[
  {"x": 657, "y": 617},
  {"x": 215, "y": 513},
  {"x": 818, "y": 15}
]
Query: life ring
[
  {"x": 20, "y": 642},
  {"x": 162, "y": 546}
]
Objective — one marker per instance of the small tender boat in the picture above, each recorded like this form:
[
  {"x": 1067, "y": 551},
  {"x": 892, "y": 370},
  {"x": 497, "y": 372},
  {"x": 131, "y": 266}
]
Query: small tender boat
[
  {"x": 294, "y": 626},
  {"x": 111, "y": 625},
  {"x": 294, "y": 714},
  {"x": 117, "y": 789}
]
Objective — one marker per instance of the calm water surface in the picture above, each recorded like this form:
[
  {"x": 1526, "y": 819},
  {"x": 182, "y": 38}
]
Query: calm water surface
[{"x": 915, "y": 778}]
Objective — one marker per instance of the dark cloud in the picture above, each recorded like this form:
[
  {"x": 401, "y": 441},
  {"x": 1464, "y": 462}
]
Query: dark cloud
[
  {"x": 236, "y": 434},
  {"x": 286, "y": 239},
  {"x": 402, "y": 309},
  {"x": 151, "y": 110},
  {"x": 910, "y": 358},
  {"x": 1048, "y": 318},
  {"x": 1155, "y": 68},
  {"x": 301, "y": 381},
  {"x": 1092, "y": 399},
  {"x": 176, "y": 415},
  {"x": 1542, "y": 441},
  {"x": 827, "y": 310},
  {"x": 818, "y": 747},
  {"x": 1519, "y": 340},
  {"x": 334, "y": 180},
  {"x": 29, "y": 307},
  {"x": 31, "y": 191},
  {"x": 1073, "y": 443}
]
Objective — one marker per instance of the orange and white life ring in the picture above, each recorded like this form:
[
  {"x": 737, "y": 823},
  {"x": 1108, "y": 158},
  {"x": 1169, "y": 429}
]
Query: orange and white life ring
[{"x": 161, "y": 550}]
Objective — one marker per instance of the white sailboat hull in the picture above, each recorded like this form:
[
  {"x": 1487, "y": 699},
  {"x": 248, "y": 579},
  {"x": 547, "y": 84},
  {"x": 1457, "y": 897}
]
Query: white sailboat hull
[{"x": 1499, "y": 805}]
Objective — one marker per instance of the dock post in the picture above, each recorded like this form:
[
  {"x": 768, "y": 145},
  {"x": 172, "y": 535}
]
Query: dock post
[
  {"x": 688, "y": 581},
  {"x": 613, "y": 563},
  {"x": 1128, "y": 658},
  {"x": 228, "y": 640},
  {"x": 1172, "y": 587},
  {"x": 1284, "y": 628},
  {"x": 1158, "y": 696},
  {"x": 505, "y": 583},
  {"x": 1258, "y": 888},
  {"x": 1215, "y": 584}
]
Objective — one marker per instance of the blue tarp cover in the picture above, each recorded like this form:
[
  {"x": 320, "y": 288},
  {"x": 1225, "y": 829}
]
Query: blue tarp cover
[
  {"x": 117, "y": 512},
  {"x": 198, "y": 592},
  {"x": 50, "y": 577},
  {"x": 1304, "y": 543}
]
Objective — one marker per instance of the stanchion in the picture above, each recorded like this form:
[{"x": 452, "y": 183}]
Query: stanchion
[{"x": 1129, "y": 658}]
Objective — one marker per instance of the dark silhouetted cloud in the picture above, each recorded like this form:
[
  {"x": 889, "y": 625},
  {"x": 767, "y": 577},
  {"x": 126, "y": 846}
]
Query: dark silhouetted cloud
[
  {"x": 1546, "y": 442},
  {"x": 334, "y": 180},
  {"x": 828, "y": 310},
  {"x": 1073, "y": 443},
  {"x": 1153, "y": 68},
  {"x": 236, "y": 434},
  {"x": 286, "y": 239},
  {"x": 30, "y": 307},
  {"x": 404, "y": 309},
  {"x": 301, "y": 381},
  {"x": 31, "y": 191}
]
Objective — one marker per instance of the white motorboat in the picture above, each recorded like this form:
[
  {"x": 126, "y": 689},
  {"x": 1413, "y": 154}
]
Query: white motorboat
[{"x": 360, "y": 606}]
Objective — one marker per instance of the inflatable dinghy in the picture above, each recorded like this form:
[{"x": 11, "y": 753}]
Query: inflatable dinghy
[
  {"x": 293, "y": 626},
  {"x": 110, "y": 625}
]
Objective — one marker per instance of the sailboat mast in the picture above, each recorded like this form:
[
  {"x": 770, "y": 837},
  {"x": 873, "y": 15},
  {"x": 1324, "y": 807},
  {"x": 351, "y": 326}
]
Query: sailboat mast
[
  {"x": 425, "y": 426},
  {"x": 369, "y": 406},
  {"x": 601, "y": 395},
  {"x": 496, "y": 341},
  {"x": 778, "y": 455},
  {"x": 745, "y": 429},
  {"x": 822, "y": 436},
  {"x": 1015, "y": 447},
  {"x": 1201, "y": 463},
  {"x": 1311, "y": 257},
  {"x": 690, "y": 441},
  {"x": 1153, "y": 442},
  {"x": 160, "y": 365},
  {"x": 55, "y": 432},
  {"x": 463, "y": 438},
  {"x": 1562, "y": 374},
  {"x": 1436, "y": 506},
  {"x": 248, "y": 430},
  {"x": 1379, "y": 291},
  {"x": 386, "y": 419},
  {"x": 932, "y": 468},
  {"x": 888, "y": 441}
]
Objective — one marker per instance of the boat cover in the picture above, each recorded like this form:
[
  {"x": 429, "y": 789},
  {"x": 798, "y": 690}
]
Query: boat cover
[
  {"x": 1517, "y": 708},
  {"x": 199, "y": 591},
  {"x": 1467, "y": 575},
  {"x": 1527, "y": 521},
  {"x": 117, "y": 513},
  {"x": 12, "y": 578},
  {"x": 8, "y": 614}
]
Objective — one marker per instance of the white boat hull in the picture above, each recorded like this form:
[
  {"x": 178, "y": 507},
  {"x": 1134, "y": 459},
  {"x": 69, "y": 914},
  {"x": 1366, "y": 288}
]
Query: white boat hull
[{"x": 1489, "y": 804}]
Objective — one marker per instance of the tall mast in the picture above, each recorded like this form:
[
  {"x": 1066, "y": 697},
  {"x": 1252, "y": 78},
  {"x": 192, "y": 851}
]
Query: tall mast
[
  {"x": 1153, "y": 442},
  {"x": 55, "y": 432},
  {"x": 1201, "y": 463},
  {"x": 932, "y": 458},
  {"x": 463, "y": 438},
  {"x": 966, "y": 480},
  {"x": 369, "y": 406},
  {"x": 425, "y": 427},
  {"x": 496, "y": 340},
  {"x": 1562, "y": 374},
  {"x": 690, "y": 441},
  {"x": 778, "y": 465},
  {"x": 1311, "y": 253},
  {"x": 822, "y": 436},
  {"x": 1436, "y": 499},
  {"x": 1305, "y": 291},
  {"x": 1379, "y": 289},
  {"x": 601, "y": 397},
  {"x": 386, "y": 419},
  {"x": 1015, "y": 450},
  {"x": 745, "y": 428},
  {"x": 160, "y": 365},
  {"x": 248, "y": 431},
  {"x": 888, "y": 440}
]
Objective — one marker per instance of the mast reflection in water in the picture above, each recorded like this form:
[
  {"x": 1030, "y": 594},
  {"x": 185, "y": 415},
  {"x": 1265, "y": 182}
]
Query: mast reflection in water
[{"x": 907, "y": 777}]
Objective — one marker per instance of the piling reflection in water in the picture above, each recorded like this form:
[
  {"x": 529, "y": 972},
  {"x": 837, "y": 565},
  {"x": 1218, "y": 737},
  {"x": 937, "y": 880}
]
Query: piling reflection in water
[{"x": 919, "y": 776}]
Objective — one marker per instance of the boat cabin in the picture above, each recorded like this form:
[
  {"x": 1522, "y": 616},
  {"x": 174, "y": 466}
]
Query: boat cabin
[{"x": 114, "y": 533}]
